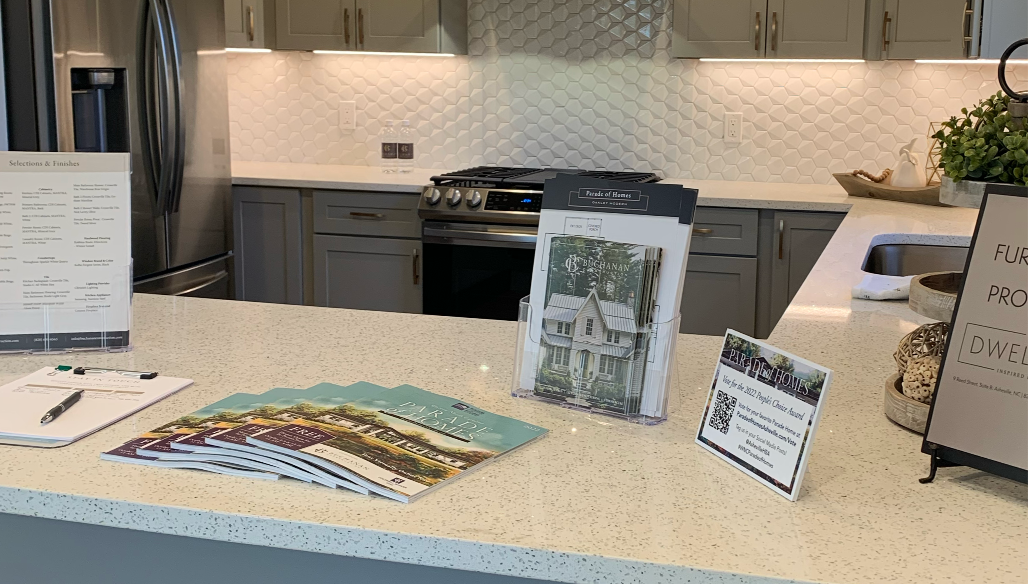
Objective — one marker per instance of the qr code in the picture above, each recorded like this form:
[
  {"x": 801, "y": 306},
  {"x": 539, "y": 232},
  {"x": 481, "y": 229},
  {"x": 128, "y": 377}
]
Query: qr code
[{"x": 721, "y": 417}]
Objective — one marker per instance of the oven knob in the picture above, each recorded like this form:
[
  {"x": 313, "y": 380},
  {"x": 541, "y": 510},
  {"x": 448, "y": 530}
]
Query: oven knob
[
  {"x": 453, "y": 197},
  {"x": 474, "y": 199},
  {"x": 433, "y": 196}
]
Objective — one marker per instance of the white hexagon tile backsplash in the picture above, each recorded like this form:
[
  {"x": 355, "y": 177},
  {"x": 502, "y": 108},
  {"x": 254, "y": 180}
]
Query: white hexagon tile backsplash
[{"x": 592, "y": 84}]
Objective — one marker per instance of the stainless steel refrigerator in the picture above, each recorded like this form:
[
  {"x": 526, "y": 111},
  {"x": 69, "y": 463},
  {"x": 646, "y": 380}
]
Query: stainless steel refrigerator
[{"x": 148, "y": 77}]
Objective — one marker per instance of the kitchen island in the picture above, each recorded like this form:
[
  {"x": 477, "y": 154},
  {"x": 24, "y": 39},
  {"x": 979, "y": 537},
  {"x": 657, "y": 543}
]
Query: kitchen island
[{"x": 596, "y": 501}]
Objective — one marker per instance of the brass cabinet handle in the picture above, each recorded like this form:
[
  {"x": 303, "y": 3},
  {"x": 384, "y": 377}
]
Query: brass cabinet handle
[
  {"x": 360, "y": 26},
  {"x": 968, "y": 27},
  {"x": 756, "y": 33},
  {"x": 417, "y": 276},
  {"x": 360, "y": 215},
  {"x": 885, "y": 31},
  {"x": 774, "y": 31},
  {"x": 781, "y": 239},
  {"x": 249, "y": 16},
  {"x": 702, "y": 231},
  {"x": 346, "y": 26}
]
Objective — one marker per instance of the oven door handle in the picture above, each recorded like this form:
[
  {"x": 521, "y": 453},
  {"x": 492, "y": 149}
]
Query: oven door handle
[{"x": 479, "y": 238}]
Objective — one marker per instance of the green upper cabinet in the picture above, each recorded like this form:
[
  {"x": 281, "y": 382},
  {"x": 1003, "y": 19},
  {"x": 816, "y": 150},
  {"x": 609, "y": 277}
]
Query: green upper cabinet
[
  {"x": 249, "y": 24},
  {"x": 414, "y": 26},
  {"x": 732, "y": 29},
  {"x": 823, "y": 29},
  {"x": 923, "y": 29},
  {"x": 795, "y": 29}
]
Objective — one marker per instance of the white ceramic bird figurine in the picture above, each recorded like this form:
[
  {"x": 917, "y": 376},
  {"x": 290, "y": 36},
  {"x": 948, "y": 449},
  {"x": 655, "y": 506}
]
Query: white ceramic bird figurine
[{"x": 909, "y": 172}]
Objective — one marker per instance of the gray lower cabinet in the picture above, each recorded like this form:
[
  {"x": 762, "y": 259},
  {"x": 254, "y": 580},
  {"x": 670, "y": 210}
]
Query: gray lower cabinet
[
  {"x": 367, "y": 273},
  {"x": 825, "y": 29},
  {"x": 268, "y": 245},
  {"x": 925, "y": 29},
  {"x": 720, "y": 293},
  {"x": 799, "y": 240}
]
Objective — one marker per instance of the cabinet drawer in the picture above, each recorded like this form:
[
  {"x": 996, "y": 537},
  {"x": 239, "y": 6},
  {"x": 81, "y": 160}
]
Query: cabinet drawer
[
  {"x": 722, "y": 231},
  {"x": 374, "y": 214}
]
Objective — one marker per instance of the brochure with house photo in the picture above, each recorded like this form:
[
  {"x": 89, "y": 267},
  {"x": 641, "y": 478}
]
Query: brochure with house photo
[
  {"x": 403, "y": 442},
  {"x": 656, "y": 216},
  {"x": 763, "y": 411},
  {"x": 596, "y": 323}
]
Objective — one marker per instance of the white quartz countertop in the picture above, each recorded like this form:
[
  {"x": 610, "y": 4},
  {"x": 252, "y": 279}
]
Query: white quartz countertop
[
  {"x": 598, "y": 501},
  {"x": 712, "y": 193}
]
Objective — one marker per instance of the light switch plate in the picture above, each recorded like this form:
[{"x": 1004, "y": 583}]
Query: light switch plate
[
  {"x": 733, "y": 128},
  {"x": 348, "y": 115}
]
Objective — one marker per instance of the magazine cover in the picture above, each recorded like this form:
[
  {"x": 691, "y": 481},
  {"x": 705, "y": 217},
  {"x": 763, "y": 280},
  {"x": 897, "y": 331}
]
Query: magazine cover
[
  {"x": 227, "y": 422},
  {"x": 763, "y": 411},
  {"x": 596, "y": 321},
  {"x": 403, "y": 442}
]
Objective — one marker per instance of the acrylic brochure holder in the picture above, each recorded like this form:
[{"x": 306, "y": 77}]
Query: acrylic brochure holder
[
  {"x": 92, "y": 314},
  {"x": 591, "y": 377}
]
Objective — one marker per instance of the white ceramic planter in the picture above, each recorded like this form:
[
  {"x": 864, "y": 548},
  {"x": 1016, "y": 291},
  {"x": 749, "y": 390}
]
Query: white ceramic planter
[{"x": 966, "y": 193}]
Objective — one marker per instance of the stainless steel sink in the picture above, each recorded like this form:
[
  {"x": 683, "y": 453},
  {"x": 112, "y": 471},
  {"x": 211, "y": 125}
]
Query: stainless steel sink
[{"x": 908, "y": 259}]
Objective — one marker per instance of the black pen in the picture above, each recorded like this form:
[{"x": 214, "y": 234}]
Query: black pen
[{"x": 62, "y": 407}]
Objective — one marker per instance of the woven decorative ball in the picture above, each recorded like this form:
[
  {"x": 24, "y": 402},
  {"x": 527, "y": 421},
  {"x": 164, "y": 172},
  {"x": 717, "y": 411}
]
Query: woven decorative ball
[
  {"x": 919, "y": 379},
  {"x": 925, "y": 341}
]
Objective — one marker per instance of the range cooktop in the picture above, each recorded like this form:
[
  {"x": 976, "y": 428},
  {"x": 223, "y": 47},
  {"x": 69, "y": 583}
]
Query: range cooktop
[{"x": 497, "y": 194}]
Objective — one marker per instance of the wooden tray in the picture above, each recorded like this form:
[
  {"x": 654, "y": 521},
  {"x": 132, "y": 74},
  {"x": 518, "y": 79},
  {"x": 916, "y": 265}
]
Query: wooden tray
[
  {"x": 935, "y": 295},
  {"x": 860, "y": 187},
  {"x": 909, "y": 413}
]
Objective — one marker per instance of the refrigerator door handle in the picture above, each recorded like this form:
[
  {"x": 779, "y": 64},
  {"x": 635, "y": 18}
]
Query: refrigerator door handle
[
  {"x": 146, "y": 81},
  {"x": 177, "y": 127},
  {"x": 154, "y": 83}
]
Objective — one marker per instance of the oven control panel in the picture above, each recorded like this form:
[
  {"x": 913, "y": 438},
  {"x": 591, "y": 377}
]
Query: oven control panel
[
  {"x": 480, "y": 204},
  {"x": 513, "y": 201}
]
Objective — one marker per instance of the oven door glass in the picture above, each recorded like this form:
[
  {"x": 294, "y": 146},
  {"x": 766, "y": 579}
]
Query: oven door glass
[{"x": 476, "y": 271}]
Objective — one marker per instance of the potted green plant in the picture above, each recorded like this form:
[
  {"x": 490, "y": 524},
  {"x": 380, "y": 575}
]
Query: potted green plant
[{"x": 986, "y": 145}]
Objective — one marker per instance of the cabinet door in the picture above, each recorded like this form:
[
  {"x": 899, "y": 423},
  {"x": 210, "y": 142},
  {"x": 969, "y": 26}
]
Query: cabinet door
[
  {"x": 720, "y": 293},
  {"x": 306, "y": 25},
  {"x": 268, "y": 245},
  {"x": 815, "y": 29},
  {"x": 924, "y": 29},
  {"x": 1003, "y": 22},
  {"x": 799, "y": 240},
  {"x": 244, "y": 23},
  {"x": 367, "y": 273},
  {"x": 398, "y": 25},
  {"x": 725, "y": 28}
]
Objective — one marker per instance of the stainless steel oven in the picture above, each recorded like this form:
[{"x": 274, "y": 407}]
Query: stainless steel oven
[
  {"x": 476, "y": 270},
  {"x": 479, "y": 233}
]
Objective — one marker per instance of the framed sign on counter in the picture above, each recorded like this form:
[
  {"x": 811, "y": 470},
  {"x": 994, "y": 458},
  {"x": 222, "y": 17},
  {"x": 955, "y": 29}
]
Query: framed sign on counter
[
  {"x": 65, "y": 251},
  {"x": 979, "y": 415}
]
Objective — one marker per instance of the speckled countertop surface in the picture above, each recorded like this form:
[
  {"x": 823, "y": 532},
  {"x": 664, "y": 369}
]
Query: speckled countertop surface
[
  {"x": 713, "y": 193},
  {"x": 597, "y": 501}
]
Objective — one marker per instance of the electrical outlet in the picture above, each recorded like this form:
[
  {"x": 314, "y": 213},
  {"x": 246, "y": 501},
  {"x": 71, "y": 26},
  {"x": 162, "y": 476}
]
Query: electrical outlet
[
  {"x": 733, "y": 128},
  {"x": 348, "y": 115}
]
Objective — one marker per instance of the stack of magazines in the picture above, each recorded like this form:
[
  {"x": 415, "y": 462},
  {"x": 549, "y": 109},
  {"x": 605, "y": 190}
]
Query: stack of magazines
[{"x": 401, "y": 443}]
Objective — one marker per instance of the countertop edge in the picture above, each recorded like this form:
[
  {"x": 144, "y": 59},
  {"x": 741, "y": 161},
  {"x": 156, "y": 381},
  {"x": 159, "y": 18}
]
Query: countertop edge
[
  {"x": 441, "y": 552},
  {"x": 741, "y": 203}
]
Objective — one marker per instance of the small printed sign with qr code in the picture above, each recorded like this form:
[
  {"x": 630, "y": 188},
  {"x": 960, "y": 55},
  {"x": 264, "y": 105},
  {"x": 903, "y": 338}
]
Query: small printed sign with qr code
[{"x": 763, "y": 410}]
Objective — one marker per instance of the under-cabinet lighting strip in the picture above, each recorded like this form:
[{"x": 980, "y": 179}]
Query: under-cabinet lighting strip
[
  {"x": 719, "y": 60},
  {"x": 320, "y": 52},
  {"x": 384, "y": 54},
  {"x": 970, "y": 61}
]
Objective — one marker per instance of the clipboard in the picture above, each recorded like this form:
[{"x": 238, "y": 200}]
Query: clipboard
[{"x": 109, "y": 396}]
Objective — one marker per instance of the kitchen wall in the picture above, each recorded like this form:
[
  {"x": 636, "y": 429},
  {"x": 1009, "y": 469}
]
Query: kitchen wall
[{"x": 592, "y": 84}]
